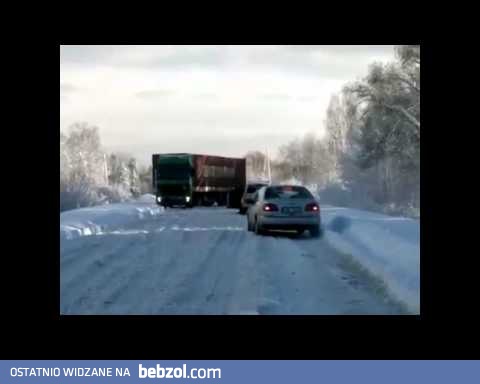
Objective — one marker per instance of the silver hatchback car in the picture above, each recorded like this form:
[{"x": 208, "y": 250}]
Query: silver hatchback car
[{"x": 284, "y": 207}]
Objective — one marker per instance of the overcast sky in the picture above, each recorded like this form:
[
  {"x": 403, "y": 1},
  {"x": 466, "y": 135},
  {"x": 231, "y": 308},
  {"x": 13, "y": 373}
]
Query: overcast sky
[{"x": 219, "y": 100}]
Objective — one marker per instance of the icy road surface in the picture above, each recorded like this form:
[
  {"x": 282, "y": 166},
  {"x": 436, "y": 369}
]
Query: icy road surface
[{"x": 204, "y": 261}]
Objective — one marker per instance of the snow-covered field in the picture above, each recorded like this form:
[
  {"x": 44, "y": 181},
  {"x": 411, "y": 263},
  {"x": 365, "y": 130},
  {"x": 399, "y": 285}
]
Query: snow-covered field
[{"x": 135, "y": 258}]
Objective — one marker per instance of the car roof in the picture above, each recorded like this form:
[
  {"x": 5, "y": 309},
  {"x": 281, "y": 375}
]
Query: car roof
[{"x": 286, "y": 185}]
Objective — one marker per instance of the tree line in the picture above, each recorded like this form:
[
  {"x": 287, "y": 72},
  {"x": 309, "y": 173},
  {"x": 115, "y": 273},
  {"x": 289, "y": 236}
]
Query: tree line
[
  {"x": 369, "y": 156},
  {"x": 91, "y": 176}
]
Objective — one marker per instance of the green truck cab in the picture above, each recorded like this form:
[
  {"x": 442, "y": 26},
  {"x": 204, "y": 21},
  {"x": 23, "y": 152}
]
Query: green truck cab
[{"x": 173, "y": 179}]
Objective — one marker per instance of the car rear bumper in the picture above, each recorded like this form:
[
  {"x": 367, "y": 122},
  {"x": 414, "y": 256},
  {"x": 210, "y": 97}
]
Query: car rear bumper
[{"x": 289, "y": 222}]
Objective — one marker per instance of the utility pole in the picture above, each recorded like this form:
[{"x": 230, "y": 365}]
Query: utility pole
[{"x": 105, "y": 168}]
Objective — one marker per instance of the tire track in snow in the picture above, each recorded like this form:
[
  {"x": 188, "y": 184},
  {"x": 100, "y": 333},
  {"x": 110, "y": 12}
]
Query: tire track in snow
[
  {"x": 88, "y": 273},
  {"x": 296, "y": 281},
  {"x": 277, "y": 259},
  {"x": 347, "y": 291},
  {"x": 154, "y": 262},
  {"x": 215, "y": 278},
  {"x": 88, "y": 249},
  {"x": 187, "y": 292},
  {"x": 146, "y": 279},
  {"x": 86, "y": 284},
  {"x": 83, "y": 265},
  {"x": 70, "y": 250},
  {"x": 248, "y": 286},
  {"x": 94, "y": 255}
]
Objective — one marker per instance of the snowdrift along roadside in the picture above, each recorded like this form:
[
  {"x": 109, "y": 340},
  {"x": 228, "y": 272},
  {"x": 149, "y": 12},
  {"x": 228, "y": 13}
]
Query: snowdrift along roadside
[
  {"x": 388, "y": 247},
  {"x": 98, "y": 219}
]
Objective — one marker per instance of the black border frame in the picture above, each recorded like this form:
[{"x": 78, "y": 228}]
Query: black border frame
[{"x": 219, "y": 337}]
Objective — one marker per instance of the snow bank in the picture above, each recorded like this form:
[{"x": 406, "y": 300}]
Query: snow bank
[
  {"x": 389, "y": 247},
  {"x": 96, "y": 220},
  {"x": 147, "y": 198}
]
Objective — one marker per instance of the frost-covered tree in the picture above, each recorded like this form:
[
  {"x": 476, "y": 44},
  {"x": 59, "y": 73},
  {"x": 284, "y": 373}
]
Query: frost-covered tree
[
  {"x": 394, "y": 87},
  {"x": 64, "y": 159},
  {"x": 123, "y": 175},
  {"x": 341, "y": 125},
  {"x": 87, "y": 175},
  {"x": 305, "y": 160},
  {"x": 390, "y": 135},
  {"x": 134, "y": 177},
  {"x": 81, "y": 160},
  {"x": 373, "y": 132},
  {"x": 145, "y": 179},
  {"x": 85, "y": 153},
  {"x": 119, "y": 174},
  {"x": 256, "y": 165}
]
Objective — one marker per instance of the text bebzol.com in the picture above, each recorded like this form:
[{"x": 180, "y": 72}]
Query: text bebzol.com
[{"x": 178, "y": 372}]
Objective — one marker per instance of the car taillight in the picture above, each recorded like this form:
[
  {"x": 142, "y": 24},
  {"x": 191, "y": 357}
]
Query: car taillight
[
  {"x": 312, "y": 207},
  {"x": 270, "y": 207}
]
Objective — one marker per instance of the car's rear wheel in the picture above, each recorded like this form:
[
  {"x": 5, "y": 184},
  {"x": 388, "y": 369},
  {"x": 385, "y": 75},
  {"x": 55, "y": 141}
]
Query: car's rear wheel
[
  {"x": 258, "y": 228},
  {"x": 300, "y": 232}
]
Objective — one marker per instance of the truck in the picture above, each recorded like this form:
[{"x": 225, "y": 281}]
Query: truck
[{"x": 188, "y": 180}]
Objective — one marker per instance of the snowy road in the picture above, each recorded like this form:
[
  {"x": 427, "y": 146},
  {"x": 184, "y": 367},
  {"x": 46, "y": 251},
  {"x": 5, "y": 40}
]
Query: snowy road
[{"x": 203, "y": 261}]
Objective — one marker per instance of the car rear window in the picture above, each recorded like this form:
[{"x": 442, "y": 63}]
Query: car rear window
[
  {"x": 253, "y": 188},
  {"x": 285, "y": 192}
]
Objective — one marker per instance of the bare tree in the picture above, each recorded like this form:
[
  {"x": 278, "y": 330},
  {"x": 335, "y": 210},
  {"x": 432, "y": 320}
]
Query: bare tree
[
  {"x": 395, "y": 86},
  {"x": 256, "y": 162},
  {"x": 305, "y": 160},
  {"x": 341, "y": 126}
]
